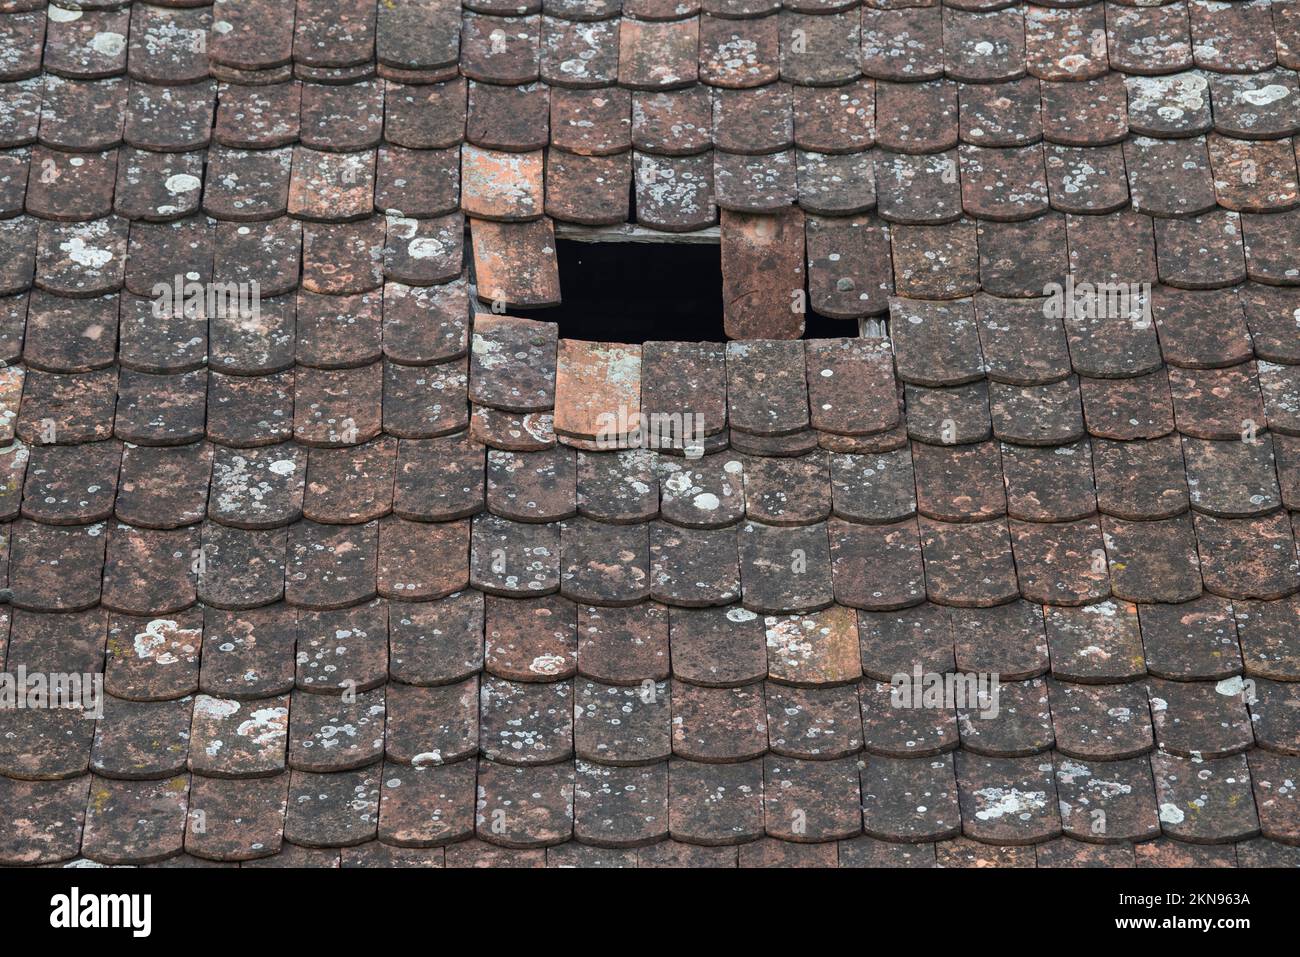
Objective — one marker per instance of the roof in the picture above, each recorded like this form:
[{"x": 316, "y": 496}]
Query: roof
[{"x": 367, "y": 585}]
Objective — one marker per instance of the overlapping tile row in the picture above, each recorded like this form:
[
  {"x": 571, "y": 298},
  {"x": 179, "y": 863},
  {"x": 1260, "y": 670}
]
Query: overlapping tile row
[
  {"x": 368, "y": 586},
  {"x": 938, "y": 134},
  {"x": 414, "y": 642}
]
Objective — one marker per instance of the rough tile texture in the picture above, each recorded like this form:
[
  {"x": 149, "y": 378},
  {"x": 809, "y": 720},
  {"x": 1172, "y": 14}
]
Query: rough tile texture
[{"x": 378, "y": 575}]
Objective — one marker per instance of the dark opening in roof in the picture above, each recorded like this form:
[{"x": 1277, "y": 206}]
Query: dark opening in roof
[
  {"x": 632, "y": 292},
  {"x": 635, "y": 292}
]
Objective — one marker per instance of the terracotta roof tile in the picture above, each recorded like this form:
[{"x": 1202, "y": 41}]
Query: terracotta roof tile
[
  {"x": 1001, "y": 114},
  {"x": 1235, "y": 115},
  {"x": 1022, "y": 725},
  {"x": 675, "y": 194},
  {"x": 250, "y": 35},
  {"x": 1091, "y": 807},
  {"x": 292, "y": 542},
  {"x": 660, "y": 55},
  {"x": 1136, "y": 480},
  {"x": 135, "y": 821},
  {"x": 862, "y": 580},
  {"x": 1202, "y": 252},
  {"x": 948, "y": 416},
  {"x": 1232, "y": 40},
  {"x": 244, "y": 818},
  {"x": 677, "y": 554},
  {"x": 1006, "y": 638},
  {"x": 248, "y": 654},
  {"x": 1219, "y": 783},
  {"x": 739, "y": 53},
  {"x": 1089, "y": 113},
  {"x": 903, "y": 44},
  {"x": 846, "y": 265},
  {"x": 1150, "y": 40},
  {"x": 258, "y": 117},
  {"x": 909, "y": 800},
  {"x": 1095, "y": 643},
  {"x": 717, "y": 647},
  {"x": 936, "y": 262},
  {"x": 168, "y": 45},
  {"x": 72, "y": 50},
  {"x": 734, "y": 817}
]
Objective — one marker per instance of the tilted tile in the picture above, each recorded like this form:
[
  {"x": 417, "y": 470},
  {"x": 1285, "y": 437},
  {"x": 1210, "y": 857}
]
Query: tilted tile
[
  {"x": 83, "y": 115},
  {"x": 672, "y": 123},
  {"x": 961, "y": 414},
  {"x": 849, "y": 271},
  {"x": 515, "y": 262},
  {"x": 1254, "y": 176}
]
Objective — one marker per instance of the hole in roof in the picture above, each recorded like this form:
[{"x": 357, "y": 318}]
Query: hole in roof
[{"x": 634, "y": 292}]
